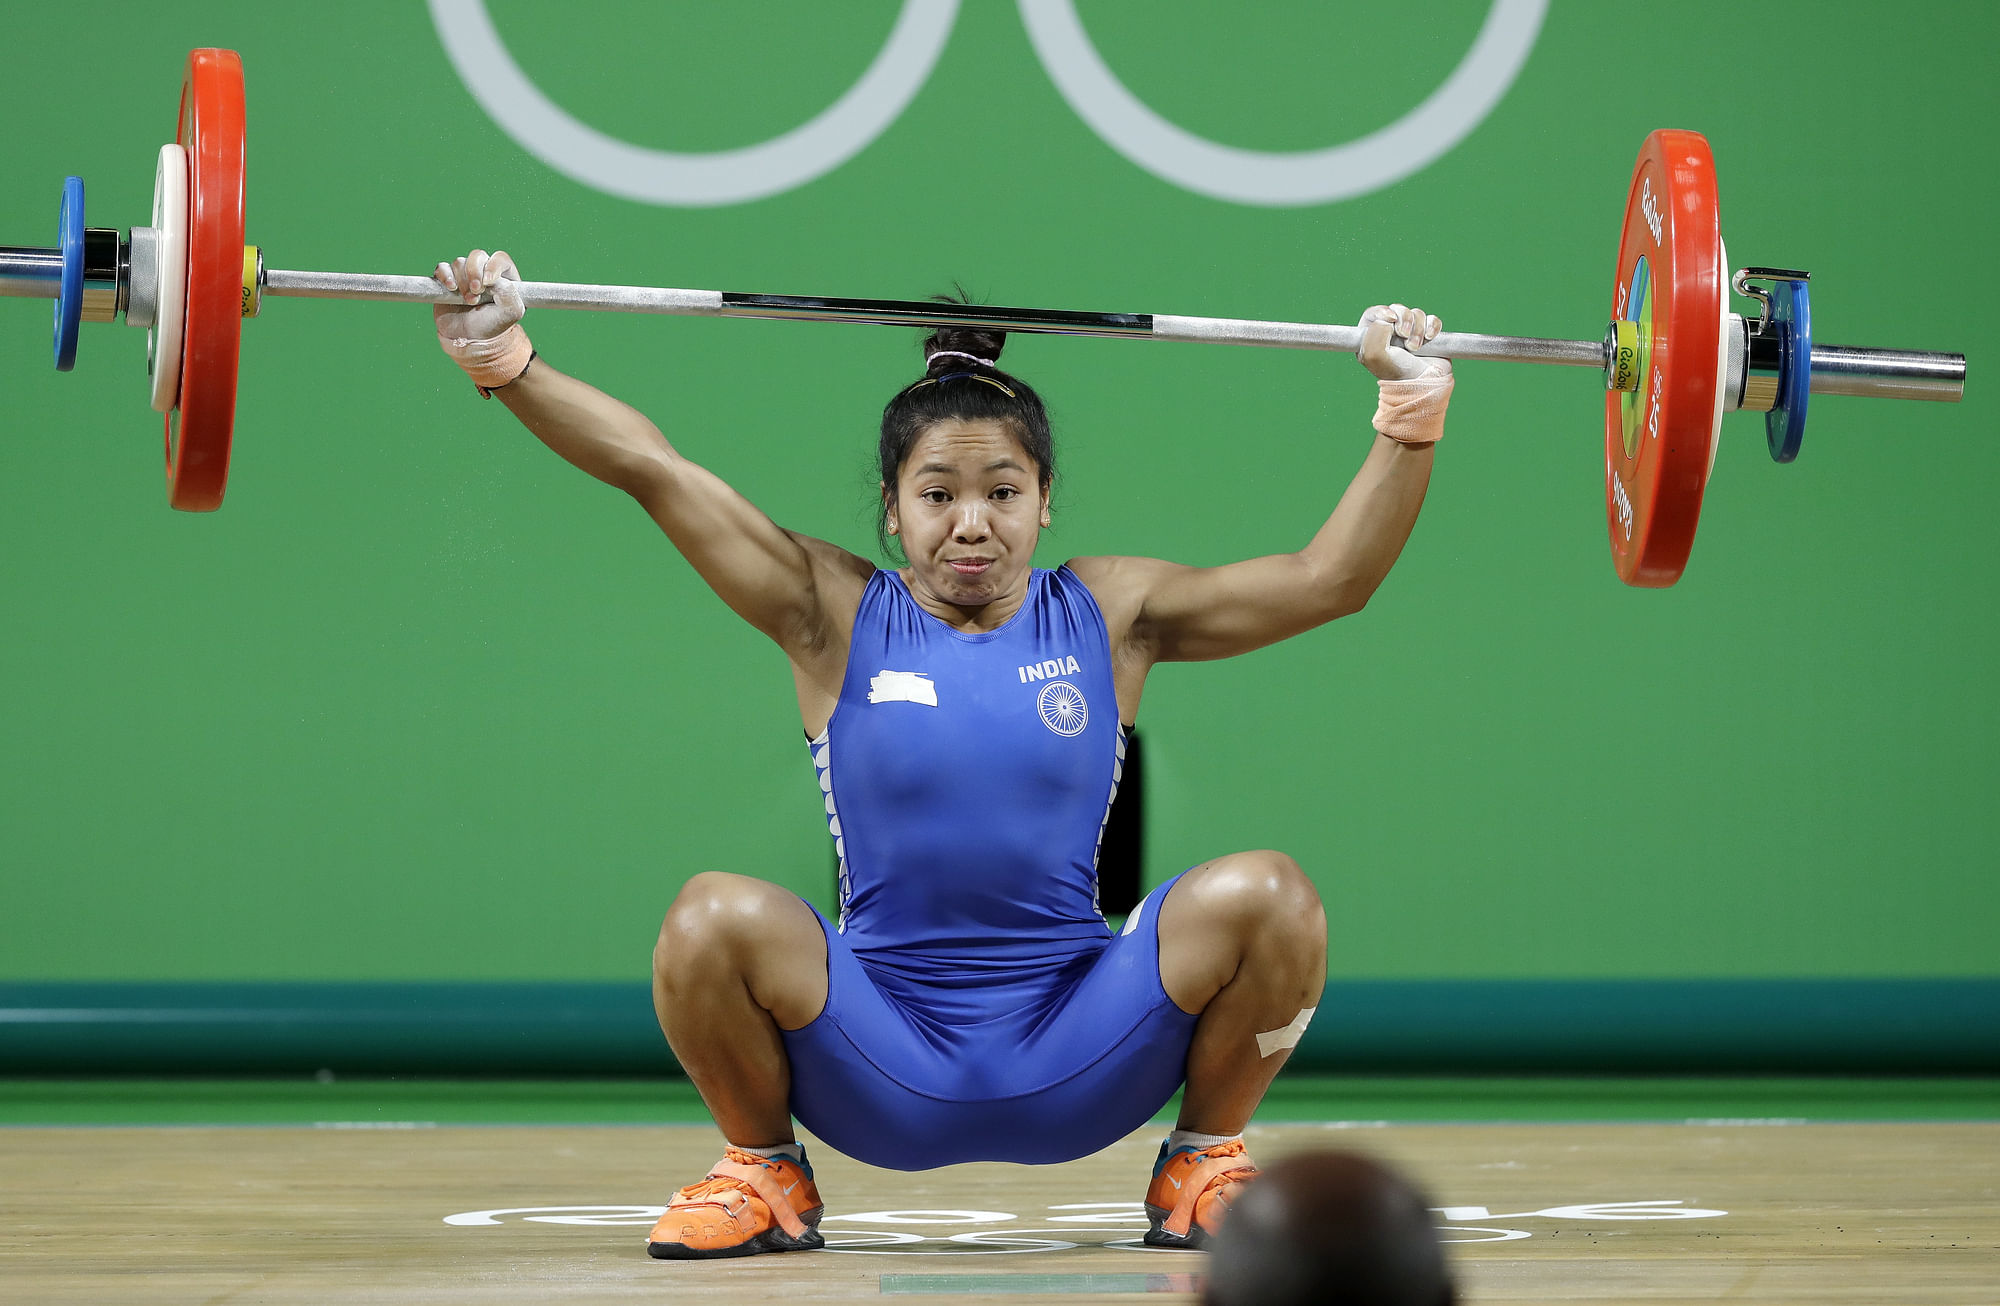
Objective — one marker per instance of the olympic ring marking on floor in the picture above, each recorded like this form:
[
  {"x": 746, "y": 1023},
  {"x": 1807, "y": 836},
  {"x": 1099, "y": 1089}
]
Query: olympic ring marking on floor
[
  {"x": 905, "y": 62},
  {"x": 1126, "y": 1219}
]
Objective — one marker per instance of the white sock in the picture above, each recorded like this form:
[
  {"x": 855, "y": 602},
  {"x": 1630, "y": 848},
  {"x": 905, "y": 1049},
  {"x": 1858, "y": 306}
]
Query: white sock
[
  {"x": 790, "y": 1151},
  {"x": 1181, "y": 1138}
]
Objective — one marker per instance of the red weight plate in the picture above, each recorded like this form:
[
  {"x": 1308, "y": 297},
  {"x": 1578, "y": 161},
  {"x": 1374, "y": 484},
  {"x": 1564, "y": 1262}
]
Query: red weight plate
[
  {"x": 212, "y": 131},
  {"x": 1670, "y": 282}
]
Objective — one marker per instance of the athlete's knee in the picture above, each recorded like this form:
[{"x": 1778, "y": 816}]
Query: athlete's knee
[
  {"x": 712, "y": 916},
  {"x": 1252, "y": 917},
  {"x": 1294, "y": 898},
  {"x": 1264, "y": 889}
]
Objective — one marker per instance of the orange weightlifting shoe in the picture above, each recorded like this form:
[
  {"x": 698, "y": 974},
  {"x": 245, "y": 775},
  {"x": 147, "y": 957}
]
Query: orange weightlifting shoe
[
  {"x": 1191, "y": 1192},
  {"x": 745, "y": 1205}
]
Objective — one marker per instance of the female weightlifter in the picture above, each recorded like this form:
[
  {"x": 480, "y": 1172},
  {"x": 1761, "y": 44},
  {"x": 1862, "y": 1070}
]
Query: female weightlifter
[{"x": 967, "y": 716}]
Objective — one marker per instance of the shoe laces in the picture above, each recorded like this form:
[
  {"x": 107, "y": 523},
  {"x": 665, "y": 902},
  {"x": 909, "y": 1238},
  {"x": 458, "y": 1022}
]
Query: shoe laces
[
  {"x": 716, "y": 1185},
  {"x": 1235, "y": 1174},
  {"x": 710, "y": 1189}
]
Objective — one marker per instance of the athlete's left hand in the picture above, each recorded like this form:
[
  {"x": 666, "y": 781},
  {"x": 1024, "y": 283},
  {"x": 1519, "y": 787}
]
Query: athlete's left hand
[
  {"x": 1386, "y": 329},
  {"x": 1414, "y": 389}
]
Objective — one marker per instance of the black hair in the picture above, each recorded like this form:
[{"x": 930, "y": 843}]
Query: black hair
[{"x": 955, "y": 388}]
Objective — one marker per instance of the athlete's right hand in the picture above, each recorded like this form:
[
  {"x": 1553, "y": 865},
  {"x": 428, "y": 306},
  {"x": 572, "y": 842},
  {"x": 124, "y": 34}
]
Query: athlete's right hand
[
  {"x": 1385, "y": 329},
  {"x": 472, "y": 277}
]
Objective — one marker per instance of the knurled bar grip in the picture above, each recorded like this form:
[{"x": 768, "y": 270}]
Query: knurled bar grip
[
  {"x": 1880, "y": 373},
  {"x": 536, "y": 294}
]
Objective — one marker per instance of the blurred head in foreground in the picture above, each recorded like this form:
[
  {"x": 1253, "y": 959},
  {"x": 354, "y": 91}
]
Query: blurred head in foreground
[{"x": 1328, "y": 1229}]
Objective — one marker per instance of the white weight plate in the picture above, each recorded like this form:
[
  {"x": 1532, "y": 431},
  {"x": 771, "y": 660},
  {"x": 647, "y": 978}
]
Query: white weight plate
[
  {"x": 170, "y": 222},
  {"x": 1722, "y": 378}
]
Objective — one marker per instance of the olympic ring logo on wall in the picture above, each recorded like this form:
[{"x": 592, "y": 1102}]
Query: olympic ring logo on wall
[{"x": 853, "y": 122}]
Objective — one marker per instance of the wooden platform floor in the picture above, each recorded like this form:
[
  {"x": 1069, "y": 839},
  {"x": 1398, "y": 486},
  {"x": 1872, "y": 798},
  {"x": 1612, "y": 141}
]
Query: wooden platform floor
[{"x": 380, "y": 1214}]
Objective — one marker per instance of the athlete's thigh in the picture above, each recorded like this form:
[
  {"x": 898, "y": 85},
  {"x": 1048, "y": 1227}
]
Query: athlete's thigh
[
  {"x": 1121, "y": 990},
  {"x": 853, "y": 1067},
  {"x": 1115, "y": 1051}
]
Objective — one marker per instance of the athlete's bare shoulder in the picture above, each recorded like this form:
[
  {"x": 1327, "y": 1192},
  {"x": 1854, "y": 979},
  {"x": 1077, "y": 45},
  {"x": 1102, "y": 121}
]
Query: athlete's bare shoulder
[
  {"x": 833, "y": 561},
  {"x": 1120, "y": 586},
  {"x": 838, "y": 580}
]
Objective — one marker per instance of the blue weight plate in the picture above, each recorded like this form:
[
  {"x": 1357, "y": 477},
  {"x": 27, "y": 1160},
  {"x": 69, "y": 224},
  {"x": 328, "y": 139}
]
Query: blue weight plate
[
  {"x": 69, "y": 292},
  {"x": 1785, "y": 424}
]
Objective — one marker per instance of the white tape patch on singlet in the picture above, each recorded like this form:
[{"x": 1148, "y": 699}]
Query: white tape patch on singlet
[
  {"x": 902, "y": 687},
  {"x": 1277, "y": 1040}
]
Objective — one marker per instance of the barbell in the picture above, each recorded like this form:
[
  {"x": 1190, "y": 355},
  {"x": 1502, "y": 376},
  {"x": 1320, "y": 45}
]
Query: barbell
[{"x": 1674, "y": 358}]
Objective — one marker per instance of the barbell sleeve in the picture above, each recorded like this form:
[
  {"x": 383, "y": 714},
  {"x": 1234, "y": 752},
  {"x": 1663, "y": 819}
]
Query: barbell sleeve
[
  {"x": 29, "y": 272},
  {"x": 1887, "y": 373}
]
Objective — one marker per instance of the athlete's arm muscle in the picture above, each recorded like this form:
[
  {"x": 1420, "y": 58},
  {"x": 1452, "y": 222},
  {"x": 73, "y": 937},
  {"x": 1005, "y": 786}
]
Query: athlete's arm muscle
[
  {"x": 1166, "y": 612},
  {"x": 792, "y": 587}
]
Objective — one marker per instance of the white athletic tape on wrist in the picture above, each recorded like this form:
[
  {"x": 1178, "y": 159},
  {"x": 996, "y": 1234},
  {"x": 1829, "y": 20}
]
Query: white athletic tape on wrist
[
  {"x": 490, "y": 363},
  {"x": 1277, "y": 1040},
  {"x": 1412, "y": 411}
]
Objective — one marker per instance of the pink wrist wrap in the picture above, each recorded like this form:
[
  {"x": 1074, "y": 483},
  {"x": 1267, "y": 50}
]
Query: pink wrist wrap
[
  {"x": 491, "y": 363},
  {"x": 1412, "y": 412}
]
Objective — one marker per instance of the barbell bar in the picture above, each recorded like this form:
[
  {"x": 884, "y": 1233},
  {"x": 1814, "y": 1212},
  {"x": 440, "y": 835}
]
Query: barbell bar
[
  {"x": 28, "y": 272},
  {"x": 1878, "y": 373},
  {"x": 1674, "y": 357}
]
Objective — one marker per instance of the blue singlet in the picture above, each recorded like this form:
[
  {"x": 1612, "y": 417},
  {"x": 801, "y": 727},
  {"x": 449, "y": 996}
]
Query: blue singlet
[{"x": 978, "y": 1006}]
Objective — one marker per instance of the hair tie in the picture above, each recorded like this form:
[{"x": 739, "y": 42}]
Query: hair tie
[
  {"x": 956, "y": 353},
  {"x": 970, "y": 376}
]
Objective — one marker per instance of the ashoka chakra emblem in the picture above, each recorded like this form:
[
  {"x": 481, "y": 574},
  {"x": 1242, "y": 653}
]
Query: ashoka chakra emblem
[{"x": 1063, "y": 708}]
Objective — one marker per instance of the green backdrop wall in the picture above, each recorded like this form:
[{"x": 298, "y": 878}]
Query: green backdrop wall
[{"x": 422, "y": 704}]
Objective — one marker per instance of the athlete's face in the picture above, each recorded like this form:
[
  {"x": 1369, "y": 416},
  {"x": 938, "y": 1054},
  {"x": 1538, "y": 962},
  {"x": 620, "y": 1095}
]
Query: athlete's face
[{"x": 968, "y": 507}]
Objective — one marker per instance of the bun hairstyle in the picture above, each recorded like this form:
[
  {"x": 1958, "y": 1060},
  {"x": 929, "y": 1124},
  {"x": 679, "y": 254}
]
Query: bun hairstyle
[{"x": 962, "y": 382}]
